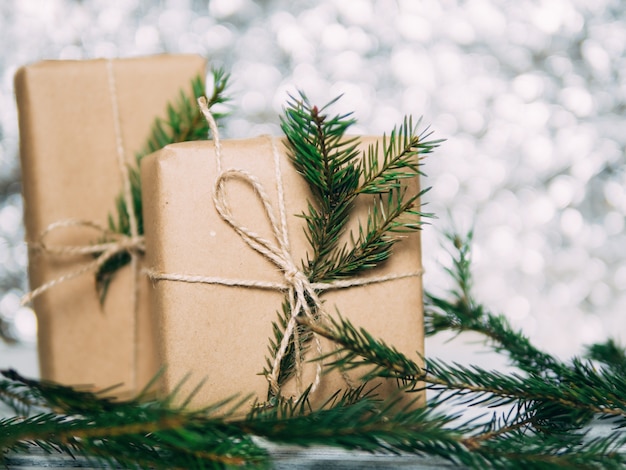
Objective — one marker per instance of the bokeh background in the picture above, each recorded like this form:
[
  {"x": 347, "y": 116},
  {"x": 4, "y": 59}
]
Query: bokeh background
[{"x": 530, "y": 96}]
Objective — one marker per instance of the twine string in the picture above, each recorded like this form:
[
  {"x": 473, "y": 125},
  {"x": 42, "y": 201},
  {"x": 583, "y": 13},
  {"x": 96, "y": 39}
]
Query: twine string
[
  {"x": 279, "y": 253},
  {"x": 302, "y": 294},
  {"x": 132, "y": 216},
  {"x": 133, "y": 244}
]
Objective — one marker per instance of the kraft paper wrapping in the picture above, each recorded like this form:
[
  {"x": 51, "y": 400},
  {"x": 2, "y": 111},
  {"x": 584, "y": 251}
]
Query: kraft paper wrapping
[
  {"x": 70, "y": 170},
  {"x": 221, "y": 334}
]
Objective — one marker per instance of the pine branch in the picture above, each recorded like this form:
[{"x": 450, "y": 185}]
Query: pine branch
[
  {"x": 398, "y": 162},
  {"x": 462, "y": 313},
  {"x": 337, "y": 174},
  {"x": 156, "y": 435},
  {"x": 364, "y": 423},
  {"x": 134, "y": 433},
  {"x": 610, "y": 354},
  {"x": 373, "y": 245},
  {"x": 184, "y": 122},
  {"x": 580, "y": 388},
  {"x": 324, "y": 157}
]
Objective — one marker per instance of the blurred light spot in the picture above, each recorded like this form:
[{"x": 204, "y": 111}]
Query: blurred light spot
[
  {"x": 591, "y": 330},
  {"x": 414, "y": 27},
  {"x": 472, "y": 122},
  {"x": 528, "y": 86},
  {"x": 445, "y": 188},
  {"x": 356, "y": 11},
  {"x": 146, "y": 37},
  {"x": 110, "y": 18},
  {"x": 574, "y": 142},
  {"x": 532, "y": 262},
  {"x": 10, "y": 220},
  {"x": 25, "y": 324},
  {"x": 291, "y": 39},
  {"x": 507, "y": 106},
  {"x": 105, "y": 49},
  {"x": 384, "y": 119},
  {"x": 561, "y": 190},
  {"x": 258, "y": 76},
  {"x": 503, "y": 242},
  {"x": 548, "y": 17},
  {"x": 202, "y": 24},
  {"x": 335, "y": 37},
  {"x": 538, "y": 151},
  {"x": 560, "y": 294},
  {"x": 595, "y": 269},
  {"x": 354, "y": 98},
  {"x": 71, "y": 52},
  {"x": 613, "y": 193},
  {"x": 9, "y": 304},
  {"x": 415, "y": 100},
  {"x": 479, "y": 188},
  {"x": 595, "y": 236},
  {"x": 534, "y": 115},
  {"x": 20, "y": 255},
  {"x": 619, "y": 278},
  {"x": 346, "y": 65},
  {"x": 486, "y": 18},
  {"x": 614, "y": 223},
  {"x": 218, "y": 37},
  {"x": 224, "y": 8},
  {"x": 559, "y": 65},
  {"x": 540, "y": 210},
  {"x": 571, "y": 222},
  {"x": 253, "y": 102},
  {"x": 412, "y": 67},
  {"x": 595, "y": 55},
  {"x": 459, "y": 30},
  {"x": 446, "y": 124},
  {"x": 578, "y": 100},
  {"x": 517, "y": 308}
]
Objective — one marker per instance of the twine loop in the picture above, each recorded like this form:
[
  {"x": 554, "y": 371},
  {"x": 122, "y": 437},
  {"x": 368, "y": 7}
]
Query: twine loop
[
  {"x": 302, "y": 294},
  {"x": 103, "y": 252},
  {"x": 300, "y": 289}
]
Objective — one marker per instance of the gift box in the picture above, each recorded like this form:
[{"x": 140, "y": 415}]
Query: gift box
[
  {"x": 220, "y": 333},
  {"x": 78, "y": 121}
]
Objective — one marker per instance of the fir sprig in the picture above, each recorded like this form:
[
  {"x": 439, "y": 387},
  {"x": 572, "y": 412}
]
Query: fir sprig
[
  {"x": 183, "y": 122},
  {"x": 461, "y": 313},
  {"x": 134, "y": 433},
  {"x": 337, "y": 173},
  {"x": 610, "y": 354}
]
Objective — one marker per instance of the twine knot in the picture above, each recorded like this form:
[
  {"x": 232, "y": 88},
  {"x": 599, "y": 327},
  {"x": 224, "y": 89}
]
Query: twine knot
[
  {"x": 294, "y": 276},
  {"x": 302, "y": 294}
]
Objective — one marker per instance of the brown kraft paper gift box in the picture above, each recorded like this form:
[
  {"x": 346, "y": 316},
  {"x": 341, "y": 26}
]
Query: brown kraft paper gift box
[
  {"x": 220, "y": 333},
  {"x": 70, "y": 170}
]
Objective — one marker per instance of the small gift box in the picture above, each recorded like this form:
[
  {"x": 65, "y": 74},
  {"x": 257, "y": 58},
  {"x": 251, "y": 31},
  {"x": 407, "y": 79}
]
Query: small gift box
[
  {"x": 216, "y": 296},
  {"x": 81, "y": 123}
]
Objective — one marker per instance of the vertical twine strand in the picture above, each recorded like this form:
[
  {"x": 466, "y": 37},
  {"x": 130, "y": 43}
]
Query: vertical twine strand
[{"x": 132, "y": 216}]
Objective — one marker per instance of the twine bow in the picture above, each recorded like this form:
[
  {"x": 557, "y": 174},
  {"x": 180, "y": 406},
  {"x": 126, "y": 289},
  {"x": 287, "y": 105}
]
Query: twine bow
[
  {"x": 302, "y": 294},
  {"x": 300, "y": 289},
  {"x": 119, "y": 243}
]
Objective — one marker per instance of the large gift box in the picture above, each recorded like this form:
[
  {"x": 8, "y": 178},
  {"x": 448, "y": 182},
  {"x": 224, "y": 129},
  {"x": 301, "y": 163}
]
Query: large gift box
[
  {"x": 220, "y": 333},
  {"x": 79, "y": 121}
]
